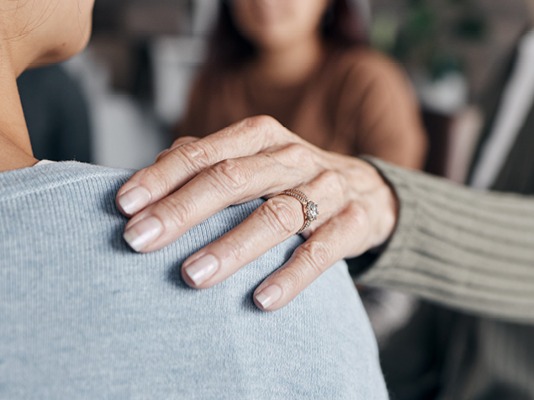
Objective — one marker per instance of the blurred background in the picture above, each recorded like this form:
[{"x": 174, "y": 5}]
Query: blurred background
[{"x": 129, "y": 87}]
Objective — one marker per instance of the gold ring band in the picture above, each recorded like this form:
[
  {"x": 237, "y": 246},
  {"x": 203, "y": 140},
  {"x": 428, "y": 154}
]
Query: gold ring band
[{"x": 309, "y": 208}]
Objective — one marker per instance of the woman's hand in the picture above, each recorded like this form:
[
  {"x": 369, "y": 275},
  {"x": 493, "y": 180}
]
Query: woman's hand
[{"x": 258, "y": 157}]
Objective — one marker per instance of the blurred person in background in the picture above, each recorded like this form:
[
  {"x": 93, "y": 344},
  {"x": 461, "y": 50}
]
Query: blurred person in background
[{"x": 307, "y": 64}]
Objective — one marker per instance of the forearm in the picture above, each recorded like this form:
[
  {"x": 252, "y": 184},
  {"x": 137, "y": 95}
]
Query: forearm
[{"x": 465, "y": 249}]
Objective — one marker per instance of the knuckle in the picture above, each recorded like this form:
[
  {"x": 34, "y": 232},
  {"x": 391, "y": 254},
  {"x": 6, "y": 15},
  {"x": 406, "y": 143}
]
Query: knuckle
[
  {"x": 357, "y": 216},
  {"x": 183, "y": 140},
  {"x": 298, "y": 153},
  {"x": 280, "y": 216},
  {"x": 157, "y": 180},
  {"x": 229, "y": 175},
  {"x": 265, "y": 125},
  {"x": 174, "y": 213},
  {"x": 233, "y": 249},
  {"x": 196, "y": 155},
  {"x": 261, "y": 122},
  {"x": 317, "y": 255},
  {"x": 332, "y": 181},
  {"x": 293, "y": 279}
]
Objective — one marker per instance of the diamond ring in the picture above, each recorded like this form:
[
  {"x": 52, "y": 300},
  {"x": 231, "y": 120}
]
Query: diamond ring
[{"x": 309, "y": 208}]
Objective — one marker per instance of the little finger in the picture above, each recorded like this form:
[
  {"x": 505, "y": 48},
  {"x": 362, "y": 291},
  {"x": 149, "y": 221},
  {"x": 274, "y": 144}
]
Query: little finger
[{"x": 331, "y": 242}]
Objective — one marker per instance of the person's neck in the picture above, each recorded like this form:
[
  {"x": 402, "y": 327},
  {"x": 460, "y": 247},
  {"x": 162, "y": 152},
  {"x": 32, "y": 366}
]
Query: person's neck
[
  {"x": 15, "y": 146},
  {"x": 289, "y": 65}
]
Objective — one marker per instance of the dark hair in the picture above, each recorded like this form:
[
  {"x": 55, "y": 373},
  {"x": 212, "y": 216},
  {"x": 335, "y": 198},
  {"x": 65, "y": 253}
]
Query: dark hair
[{"x": 343, "y": 26}]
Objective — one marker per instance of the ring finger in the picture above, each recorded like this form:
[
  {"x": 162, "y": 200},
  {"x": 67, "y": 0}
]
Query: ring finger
[{"x": 273, "y": 222}]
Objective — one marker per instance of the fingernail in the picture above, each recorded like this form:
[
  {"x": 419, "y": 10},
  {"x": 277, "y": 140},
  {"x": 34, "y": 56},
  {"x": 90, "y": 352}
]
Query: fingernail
[
  {"x": 199, "y": 271},
  {"x": 268, "y": 296},
  {"x": 134, "y": 200},
  {"x": 140, "y": 235}
]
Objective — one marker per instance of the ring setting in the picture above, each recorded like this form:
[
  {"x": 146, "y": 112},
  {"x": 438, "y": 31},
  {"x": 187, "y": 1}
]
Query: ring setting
[{"x": 309, "y": 208}]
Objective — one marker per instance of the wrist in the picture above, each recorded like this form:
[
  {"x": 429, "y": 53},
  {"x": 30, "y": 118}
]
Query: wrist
[{"x": 385, "y": 207}]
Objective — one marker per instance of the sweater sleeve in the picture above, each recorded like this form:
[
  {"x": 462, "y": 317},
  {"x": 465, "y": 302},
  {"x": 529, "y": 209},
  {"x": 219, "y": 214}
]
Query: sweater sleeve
[{"x": 466, "y": 249}]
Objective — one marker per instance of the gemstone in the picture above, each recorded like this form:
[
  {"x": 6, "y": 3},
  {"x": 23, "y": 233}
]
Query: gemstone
[{"x": 311, "y": 211}]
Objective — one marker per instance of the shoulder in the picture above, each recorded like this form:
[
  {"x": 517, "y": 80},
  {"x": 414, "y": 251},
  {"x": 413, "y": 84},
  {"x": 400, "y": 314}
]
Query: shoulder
[
  {"x": 70, "y": 275},
  {"x": 369, "y": 60},
  {"x": 365, "y": 76},
  {"x": 361, "y": 67},
  {"x": 57, "y": 177}
]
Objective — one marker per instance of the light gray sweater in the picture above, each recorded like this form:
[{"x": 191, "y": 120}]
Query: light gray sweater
[{"x": 84, "y": 317}]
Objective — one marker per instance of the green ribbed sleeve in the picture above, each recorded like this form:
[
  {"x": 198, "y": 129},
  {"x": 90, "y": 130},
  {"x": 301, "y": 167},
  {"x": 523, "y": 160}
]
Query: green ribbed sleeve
[{"x": 467, "y": 249}]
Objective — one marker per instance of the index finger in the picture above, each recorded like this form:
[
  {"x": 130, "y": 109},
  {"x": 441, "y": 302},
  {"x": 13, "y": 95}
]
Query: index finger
[{"x": 184, "y": 162}]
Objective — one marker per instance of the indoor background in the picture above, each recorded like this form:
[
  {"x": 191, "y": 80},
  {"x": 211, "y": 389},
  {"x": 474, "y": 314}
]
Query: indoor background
[{"x": 135, "y": 75}]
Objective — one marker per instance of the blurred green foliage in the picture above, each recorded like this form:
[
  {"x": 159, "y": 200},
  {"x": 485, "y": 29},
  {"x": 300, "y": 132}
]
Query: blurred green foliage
[{"x": 427, "y": 36}]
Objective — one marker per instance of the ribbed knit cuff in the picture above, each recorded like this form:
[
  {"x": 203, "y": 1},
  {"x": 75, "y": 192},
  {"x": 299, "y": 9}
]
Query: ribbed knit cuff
[
  {"x": 380, "y": 266},
  {"x": 462, "y": 248}
]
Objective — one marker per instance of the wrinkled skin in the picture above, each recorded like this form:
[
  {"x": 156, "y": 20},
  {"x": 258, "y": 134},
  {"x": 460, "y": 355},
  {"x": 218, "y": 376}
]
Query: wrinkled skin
[{"x": 258, "y": 157}]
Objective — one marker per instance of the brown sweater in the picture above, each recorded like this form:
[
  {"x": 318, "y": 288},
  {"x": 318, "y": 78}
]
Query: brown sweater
[{"x": 356, "y": 102}]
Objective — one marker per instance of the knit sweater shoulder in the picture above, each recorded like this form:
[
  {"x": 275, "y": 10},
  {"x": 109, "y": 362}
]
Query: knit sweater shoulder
[
  {"x": 471, "y": 250},
  {"x": 84, "y": 317}
]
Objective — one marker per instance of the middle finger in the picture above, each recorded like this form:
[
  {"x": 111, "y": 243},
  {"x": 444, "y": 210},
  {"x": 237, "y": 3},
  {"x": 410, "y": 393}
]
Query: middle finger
[{"x": 228, "y": 182}]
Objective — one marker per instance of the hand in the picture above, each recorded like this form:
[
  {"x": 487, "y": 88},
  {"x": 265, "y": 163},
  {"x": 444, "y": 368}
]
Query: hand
[{"x": 258, "y": 157}]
